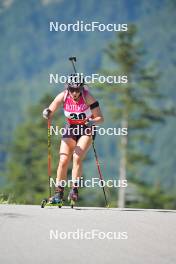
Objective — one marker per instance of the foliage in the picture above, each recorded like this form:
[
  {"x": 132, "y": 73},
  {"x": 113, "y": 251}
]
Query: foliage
[
  {"x": 27, "y": 166},
  {"x": 29, "y": 52},
  {"x": 136, "y": 105},
  {"x": 152, "y": 196}
]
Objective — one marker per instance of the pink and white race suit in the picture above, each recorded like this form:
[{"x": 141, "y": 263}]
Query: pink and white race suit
[{"x": 76, "y": 112}]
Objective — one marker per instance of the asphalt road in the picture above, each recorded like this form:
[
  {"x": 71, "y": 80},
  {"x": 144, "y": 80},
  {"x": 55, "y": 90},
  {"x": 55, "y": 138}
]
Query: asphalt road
[{"x": 29, "y": 234}]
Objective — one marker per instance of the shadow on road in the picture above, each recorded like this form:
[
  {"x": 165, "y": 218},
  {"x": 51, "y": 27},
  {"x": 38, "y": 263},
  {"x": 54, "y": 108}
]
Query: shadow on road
[
  {"x": 127, "y": 210},
  {"x": 12, "y": 215}
]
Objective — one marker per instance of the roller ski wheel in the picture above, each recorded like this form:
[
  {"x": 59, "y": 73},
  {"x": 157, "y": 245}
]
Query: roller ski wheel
[{"x": 43, "y": 203}]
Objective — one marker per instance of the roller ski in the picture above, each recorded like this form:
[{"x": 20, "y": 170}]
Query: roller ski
[
  {"x": 73, "y": 197},
  {"x": 56, "y": 200}
]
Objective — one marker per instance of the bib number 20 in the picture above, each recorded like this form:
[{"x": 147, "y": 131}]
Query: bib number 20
[{"x": 78, "y": 116}]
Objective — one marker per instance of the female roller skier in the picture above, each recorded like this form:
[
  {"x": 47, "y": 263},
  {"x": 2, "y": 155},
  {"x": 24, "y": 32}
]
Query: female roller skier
[{"x": 82, "y": 111}]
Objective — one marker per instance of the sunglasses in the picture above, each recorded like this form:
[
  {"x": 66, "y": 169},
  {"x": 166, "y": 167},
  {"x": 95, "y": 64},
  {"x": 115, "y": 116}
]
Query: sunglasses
[{"x": 72, "y": 90}]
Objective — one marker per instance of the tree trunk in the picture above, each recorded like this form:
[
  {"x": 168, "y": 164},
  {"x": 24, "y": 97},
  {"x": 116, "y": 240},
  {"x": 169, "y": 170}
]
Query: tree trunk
[{"x": 123, "y": 166}]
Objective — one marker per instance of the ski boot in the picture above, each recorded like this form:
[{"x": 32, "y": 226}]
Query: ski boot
[
  {"x": 56, "y": 200},
  {"x": 73, "y": 196}
]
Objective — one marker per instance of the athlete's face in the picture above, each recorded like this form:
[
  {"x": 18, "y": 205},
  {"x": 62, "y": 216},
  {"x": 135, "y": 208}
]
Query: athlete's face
[{"x": 75, "y": 93}]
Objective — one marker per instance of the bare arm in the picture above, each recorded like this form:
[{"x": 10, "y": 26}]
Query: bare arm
[
  {"x": 96, "y": 112},
  {"x": 56, "y": 103}
]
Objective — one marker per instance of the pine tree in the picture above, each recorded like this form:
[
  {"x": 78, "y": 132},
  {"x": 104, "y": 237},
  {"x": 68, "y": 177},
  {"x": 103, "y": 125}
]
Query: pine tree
[
  {"x": 136, "y": 105},
  {"x": 27, "y": 165},
  {"x": 152, "y": 196}
]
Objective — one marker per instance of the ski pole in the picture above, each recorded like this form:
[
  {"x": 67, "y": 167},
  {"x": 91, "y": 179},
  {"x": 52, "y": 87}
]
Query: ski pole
[
  {"x": 49, "y": 156},
  {"x": 99, "y": 171}
]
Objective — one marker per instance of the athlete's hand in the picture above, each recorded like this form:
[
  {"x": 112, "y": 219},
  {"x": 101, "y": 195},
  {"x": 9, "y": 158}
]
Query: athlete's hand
[
  {"x": 89, "y": 122},
  {"x": 46, "y": 113}
]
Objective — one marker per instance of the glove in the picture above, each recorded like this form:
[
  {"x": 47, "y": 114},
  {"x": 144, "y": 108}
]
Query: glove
[
  {"x": 89, "y": 123},
  {"x": 46, "y": 113}
]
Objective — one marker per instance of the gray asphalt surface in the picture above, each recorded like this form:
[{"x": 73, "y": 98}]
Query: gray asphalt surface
[{"x": 25, "y": 235}]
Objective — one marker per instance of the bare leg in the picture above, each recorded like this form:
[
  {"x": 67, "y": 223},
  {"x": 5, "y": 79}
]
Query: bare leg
[
  {"x": 80, "y": 151},
  {"x": 66, "y": 150}
]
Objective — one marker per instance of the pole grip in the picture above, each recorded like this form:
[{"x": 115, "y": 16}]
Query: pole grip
[{"x": 73, "y": 60}]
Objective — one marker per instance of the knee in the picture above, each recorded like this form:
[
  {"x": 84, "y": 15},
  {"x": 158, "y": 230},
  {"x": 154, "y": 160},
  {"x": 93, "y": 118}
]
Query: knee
[
  {"x": 77, "y": 160},
  {"x": 63, "y": 162}
]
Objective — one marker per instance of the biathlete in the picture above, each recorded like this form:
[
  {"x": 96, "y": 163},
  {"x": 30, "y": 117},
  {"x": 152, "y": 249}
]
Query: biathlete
[{"x": 82, "y": 111}]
